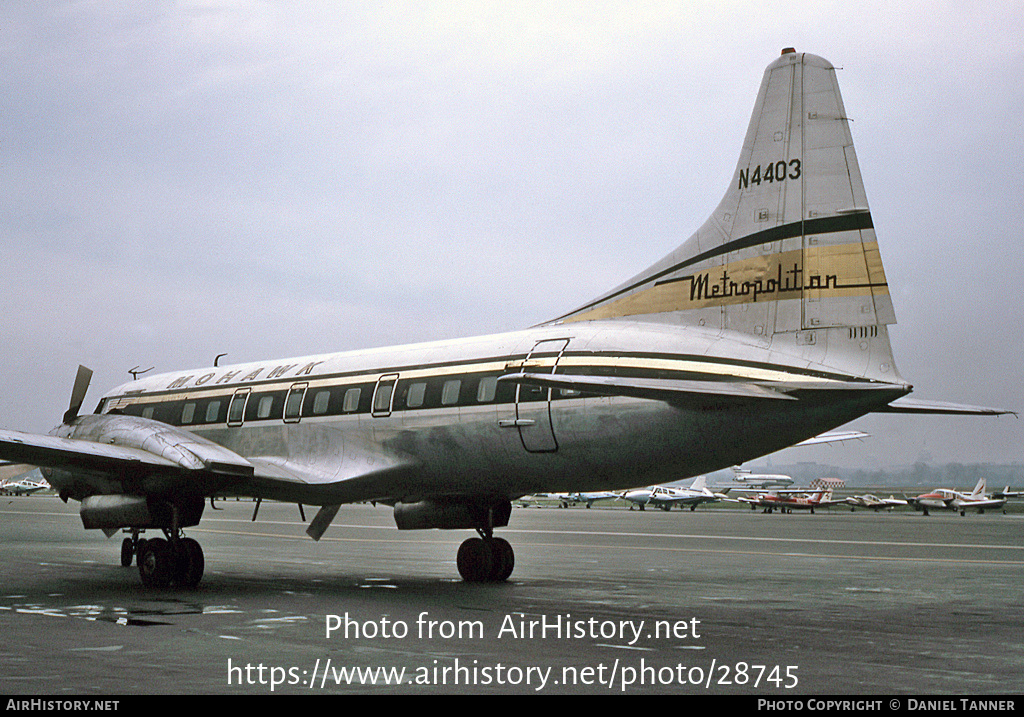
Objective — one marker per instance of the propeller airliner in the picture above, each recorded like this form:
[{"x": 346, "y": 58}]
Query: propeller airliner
[{"x": 766, "y": 328}]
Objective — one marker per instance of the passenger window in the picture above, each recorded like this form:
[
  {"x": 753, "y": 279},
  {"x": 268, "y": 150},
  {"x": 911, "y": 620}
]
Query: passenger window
[
  {"x": 416, "y": 393},
  {"x": 351, "y": 402},
  {"x": 383, "y": 395},
  {"x": 487, "y": 389},
  {"x": 236, "y": 409},
  {"x": 450, "y": 392},
  {"x": 188, "y": 413},
  {"x": 320, "y": 402},
  {"x": 382, "y": 398},
  {"x": 293, "y": 404},
  {"x": 147, "y": 412},
  {"x": 212, "y": 411},
  {"x": 266, "y": 405}
]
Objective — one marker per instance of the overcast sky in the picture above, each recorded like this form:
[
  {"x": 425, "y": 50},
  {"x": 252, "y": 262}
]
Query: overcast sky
[{"x": 182, "y": 179}]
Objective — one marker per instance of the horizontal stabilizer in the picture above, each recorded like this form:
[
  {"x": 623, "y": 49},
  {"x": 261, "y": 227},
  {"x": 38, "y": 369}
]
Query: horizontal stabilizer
[
  {"x": 913, "y": 405},
  {"x": 834, "y": 437},
  {"x": 664, "y": 389},
  {"x": 654, "y": 388}
]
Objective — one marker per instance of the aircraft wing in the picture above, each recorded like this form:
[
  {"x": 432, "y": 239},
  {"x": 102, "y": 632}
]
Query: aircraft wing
[
  {"x": 69, "y": 453},
  {"x": 980, "y": 504},
  {"x": 202, "y": 466},
  {"x": 209, "y": 469},
  {"x": 915, "y": 405}
]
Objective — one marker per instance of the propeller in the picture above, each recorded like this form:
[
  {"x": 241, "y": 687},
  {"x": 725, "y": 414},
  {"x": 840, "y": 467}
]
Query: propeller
[{"x": 82, "y": 380}]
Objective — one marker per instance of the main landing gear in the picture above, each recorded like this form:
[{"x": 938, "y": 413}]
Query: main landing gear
[
  {"x": 485, "y": 559},
  {"x": 175, "y": 560}
]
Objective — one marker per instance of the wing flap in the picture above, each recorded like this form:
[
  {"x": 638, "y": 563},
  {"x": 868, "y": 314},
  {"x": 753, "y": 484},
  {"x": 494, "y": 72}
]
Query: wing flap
[{"x": 376, "y": 476}]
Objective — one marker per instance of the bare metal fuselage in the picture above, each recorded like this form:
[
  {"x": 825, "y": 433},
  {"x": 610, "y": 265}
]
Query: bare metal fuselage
[{"x": 498, "y": 446}]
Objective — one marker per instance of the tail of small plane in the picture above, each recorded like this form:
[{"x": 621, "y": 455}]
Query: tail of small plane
[
  {"x": 789, "y": 256},
  {"x": 979, "y": 489}
]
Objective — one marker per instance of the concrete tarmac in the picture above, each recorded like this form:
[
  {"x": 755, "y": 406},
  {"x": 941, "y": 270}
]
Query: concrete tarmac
[{"x": 602, "y": 601}]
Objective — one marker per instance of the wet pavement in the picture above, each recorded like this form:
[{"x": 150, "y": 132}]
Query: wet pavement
[{"x": 601, "y": 601}]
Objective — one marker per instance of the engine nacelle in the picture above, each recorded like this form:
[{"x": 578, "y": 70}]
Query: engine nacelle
[
  {"x": 427, "y": 514},
  {"x": 111, "y": 512}
]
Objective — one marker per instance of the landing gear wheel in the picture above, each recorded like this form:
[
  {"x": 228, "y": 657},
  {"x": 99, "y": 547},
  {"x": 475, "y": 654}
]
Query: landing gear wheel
[
  {"x": 475, "y": 560},
  {"x": 156, "y": 563},
  {"x": 504, "y": 560},
  {"x": 483, "y": 560},
  {"x": 127, "y": 552},
  {"x": 188, "y": 563}
]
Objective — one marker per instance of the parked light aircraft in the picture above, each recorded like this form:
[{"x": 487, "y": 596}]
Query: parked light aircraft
[
  {"x": 589, "y": 498},
  {"x": 873, "y": 502},
  {"x": 24, "y": 486},
  {"x": 768, "y": 326},
  {"x": 666, "y": 496},
  {"x": 786, "y": 501},
  {"x": 948, "y": 499}
]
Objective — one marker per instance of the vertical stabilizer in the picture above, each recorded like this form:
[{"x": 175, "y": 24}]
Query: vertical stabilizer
[{"x": 791, "y": 248}]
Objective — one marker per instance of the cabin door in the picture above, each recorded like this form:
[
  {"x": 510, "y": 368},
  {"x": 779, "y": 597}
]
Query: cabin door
[{"x": 533, "y": 403}]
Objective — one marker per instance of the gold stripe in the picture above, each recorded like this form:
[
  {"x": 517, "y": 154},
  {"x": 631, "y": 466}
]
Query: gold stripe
[{"x": 838, "y": 270}]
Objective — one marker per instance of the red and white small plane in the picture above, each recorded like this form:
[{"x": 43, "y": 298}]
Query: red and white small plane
[
  {"x": 786, "y": 501},
  {"x": 949, "y": 499}
]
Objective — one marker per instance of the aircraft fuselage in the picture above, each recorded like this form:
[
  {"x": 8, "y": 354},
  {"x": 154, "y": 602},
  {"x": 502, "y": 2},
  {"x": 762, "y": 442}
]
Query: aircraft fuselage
[{"x": 433, "y": 419}]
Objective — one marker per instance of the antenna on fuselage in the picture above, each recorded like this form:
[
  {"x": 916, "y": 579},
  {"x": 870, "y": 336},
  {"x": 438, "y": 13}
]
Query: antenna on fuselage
[
  {"x": 135, "y": 372},
  {"x": 218, "y": 357}
]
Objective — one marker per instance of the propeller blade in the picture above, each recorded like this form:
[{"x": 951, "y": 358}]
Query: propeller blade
[{"x": 82, "y": 380}]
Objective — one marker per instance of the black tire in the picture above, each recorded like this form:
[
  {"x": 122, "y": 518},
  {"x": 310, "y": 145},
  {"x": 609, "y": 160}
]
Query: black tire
[
  {"x": 127, "y": 552},
  {"x": 188, "y": 563},
  {"x": 504, "y": 560},
  {"x": 475, "y": 560},
  {"x": 156, "y": 563}
]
